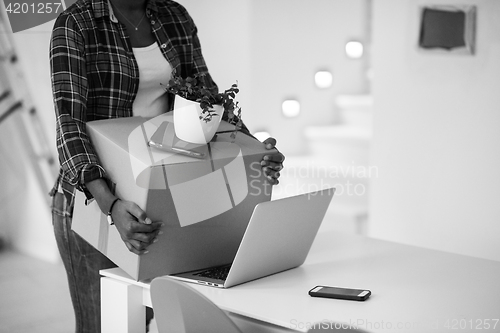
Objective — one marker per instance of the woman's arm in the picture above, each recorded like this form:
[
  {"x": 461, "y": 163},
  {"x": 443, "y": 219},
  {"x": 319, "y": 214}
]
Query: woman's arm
[
  {"x": 136, "y": 229},
  {"x": 77, "y": 156}
]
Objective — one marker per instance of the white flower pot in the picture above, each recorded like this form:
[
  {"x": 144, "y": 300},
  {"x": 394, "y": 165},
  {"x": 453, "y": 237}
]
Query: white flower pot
[{"x": 188, "y": 125}]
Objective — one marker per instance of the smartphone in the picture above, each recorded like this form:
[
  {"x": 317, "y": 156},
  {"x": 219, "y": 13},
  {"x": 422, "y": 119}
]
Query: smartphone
[
  {"x": 165, "y": 139},
  {"x": 340, "y": 293}
]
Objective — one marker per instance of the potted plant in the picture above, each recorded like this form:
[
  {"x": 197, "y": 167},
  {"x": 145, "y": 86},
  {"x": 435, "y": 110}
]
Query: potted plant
[{"x": 198, "y": 110}]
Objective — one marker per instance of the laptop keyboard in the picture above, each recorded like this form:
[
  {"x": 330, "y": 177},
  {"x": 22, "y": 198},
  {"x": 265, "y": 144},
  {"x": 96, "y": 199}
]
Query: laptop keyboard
[{"x": 219, "y": 273}]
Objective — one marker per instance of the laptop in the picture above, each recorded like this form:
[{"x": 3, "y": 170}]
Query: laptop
[{"x": 278, "y": 237}]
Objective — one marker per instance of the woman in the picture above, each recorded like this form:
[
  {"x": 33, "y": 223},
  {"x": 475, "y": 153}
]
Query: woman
[{"x": 108, "y": 58}]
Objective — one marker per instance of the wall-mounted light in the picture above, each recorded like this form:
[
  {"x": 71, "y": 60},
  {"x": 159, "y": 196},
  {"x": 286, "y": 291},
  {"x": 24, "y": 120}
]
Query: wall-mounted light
[
  {"x": 323, "y": 79},
  {"x": 290, "y": 108},
  {"x": 354, "y": 49},
  {"x": 262, "y": 135}
]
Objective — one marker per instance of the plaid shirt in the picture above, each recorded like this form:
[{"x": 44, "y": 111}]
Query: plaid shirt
[{"x": 95, "y": 76}]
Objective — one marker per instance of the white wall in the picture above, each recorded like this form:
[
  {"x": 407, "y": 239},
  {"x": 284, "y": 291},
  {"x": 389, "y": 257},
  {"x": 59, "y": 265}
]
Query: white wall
[
  {"x": 436, "y": 135},
  {"x": 223, "y": 29},
  {"x": 436, "y": 116},
  {"x": 24, "y": 207},
  {"x": 25, "y": 213},
  {"x": 274, "y": 48}
]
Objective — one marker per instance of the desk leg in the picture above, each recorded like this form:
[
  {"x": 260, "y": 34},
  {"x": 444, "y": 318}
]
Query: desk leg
[{"x": 122, "y": 308}]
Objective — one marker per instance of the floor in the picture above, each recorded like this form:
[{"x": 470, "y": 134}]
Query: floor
[{"x": 34, "y": 296}]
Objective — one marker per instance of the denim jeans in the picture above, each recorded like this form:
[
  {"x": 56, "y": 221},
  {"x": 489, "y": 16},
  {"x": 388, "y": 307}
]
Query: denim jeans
[{"x": 82, "y": 263}]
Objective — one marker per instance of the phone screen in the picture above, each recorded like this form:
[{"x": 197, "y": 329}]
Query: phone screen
[{"x": 340, "y": 293}]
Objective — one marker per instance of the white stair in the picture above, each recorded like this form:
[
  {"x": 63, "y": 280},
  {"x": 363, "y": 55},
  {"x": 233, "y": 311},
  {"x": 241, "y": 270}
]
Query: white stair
[
  {"x": 355, "y": 110},
  {"x": 348, "y": 211},
  {"x": 347, "y": 142},
  {"x": 343, "y": 144},
  {"x": 339, "y": 156}
]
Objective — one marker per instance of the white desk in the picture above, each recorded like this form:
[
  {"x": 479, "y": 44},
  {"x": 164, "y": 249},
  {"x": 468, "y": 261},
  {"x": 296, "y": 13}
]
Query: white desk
[{"x": 413, "y": 289}]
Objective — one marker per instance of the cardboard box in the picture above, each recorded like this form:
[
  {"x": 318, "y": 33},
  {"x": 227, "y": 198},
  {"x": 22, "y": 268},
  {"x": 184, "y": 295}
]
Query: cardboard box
[{"x": 205, "y": 203}]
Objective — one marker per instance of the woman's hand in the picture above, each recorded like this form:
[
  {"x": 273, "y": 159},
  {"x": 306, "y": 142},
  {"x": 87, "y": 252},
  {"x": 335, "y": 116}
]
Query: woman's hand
[
  {"x": 272, "y": 164},
  {"x": 136, "y": 229}
]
